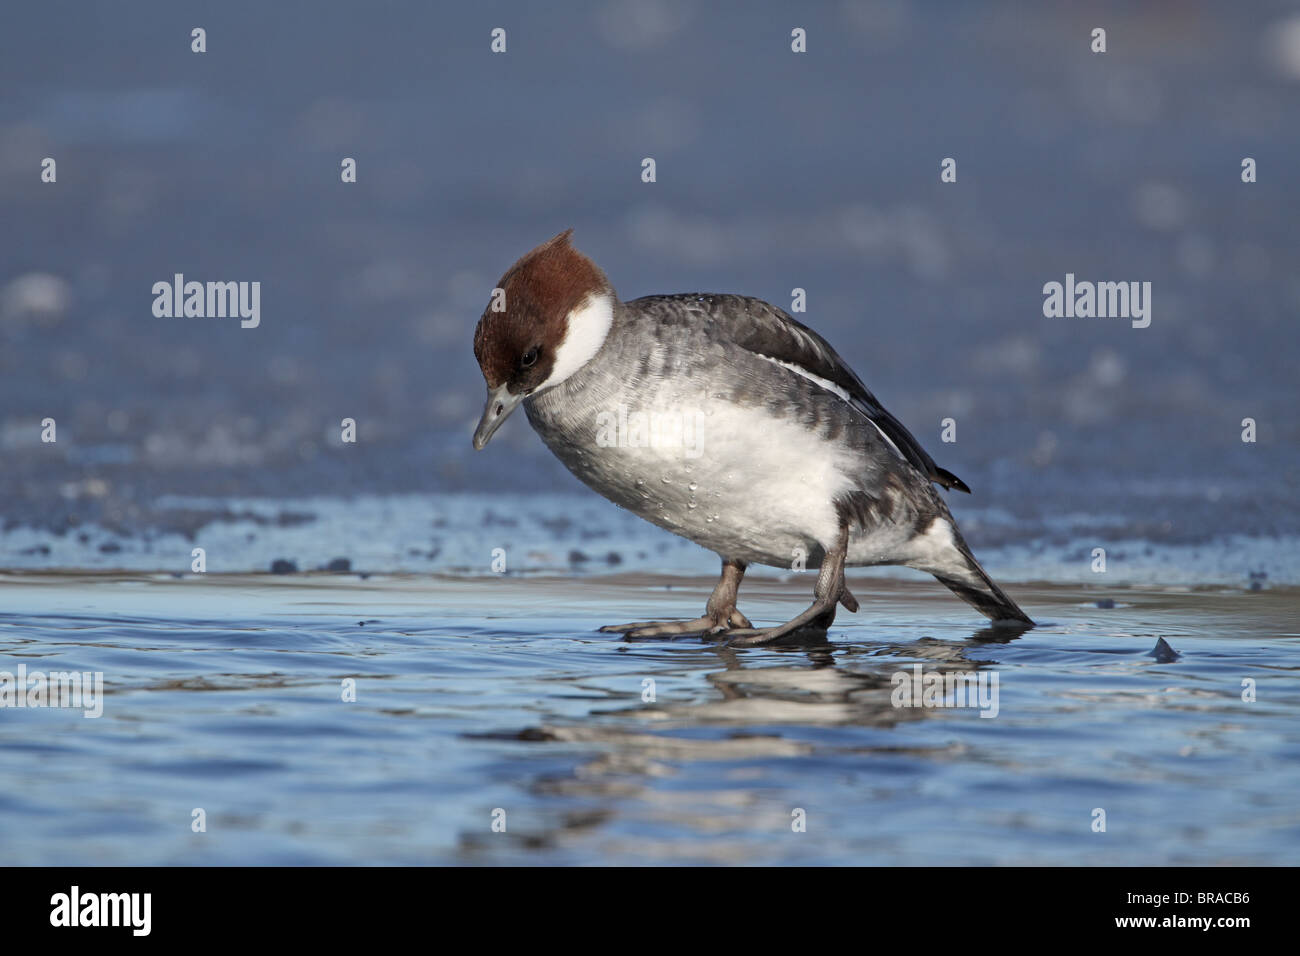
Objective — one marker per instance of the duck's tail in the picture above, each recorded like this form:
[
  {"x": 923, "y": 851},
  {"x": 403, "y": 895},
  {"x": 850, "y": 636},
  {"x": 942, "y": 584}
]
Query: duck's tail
[
  {"x": 957, "y": 569},
  {"x": 987, "y": 598}
]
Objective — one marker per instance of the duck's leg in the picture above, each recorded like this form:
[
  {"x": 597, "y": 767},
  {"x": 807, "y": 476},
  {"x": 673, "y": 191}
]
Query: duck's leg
[
  {"x": 820, "y": 615},
  {"x": 720, "y": 613}
]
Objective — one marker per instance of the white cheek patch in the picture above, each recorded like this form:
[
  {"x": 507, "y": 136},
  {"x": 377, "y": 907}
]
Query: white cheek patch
[{"x": 588, "y": 326}]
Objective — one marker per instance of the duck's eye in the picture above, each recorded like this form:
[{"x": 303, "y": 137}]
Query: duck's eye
[{"x": 530, "y": 358}]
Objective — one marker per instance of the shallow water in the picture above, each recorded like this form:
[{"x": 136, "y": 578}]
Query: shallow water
[{"x": 224, "y": 693}]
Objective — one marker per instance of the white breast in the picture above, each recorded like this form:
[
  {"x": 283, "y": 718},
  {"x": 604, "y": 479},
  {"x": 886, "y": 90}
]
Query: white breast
[{"x": 749, "y": 484}]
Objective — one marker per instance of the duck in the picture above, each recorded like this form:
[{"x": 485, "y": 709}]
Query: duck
[{"x": 722, "y": 419}]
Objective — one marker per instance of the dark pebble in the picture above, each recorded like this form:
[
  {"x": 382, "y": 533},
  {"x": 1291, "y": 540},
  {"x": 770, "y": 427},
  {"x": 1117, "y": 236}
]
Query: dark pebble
[
  {"x": 535, "y": 733},
  {"x": 1163, "y": 653}
]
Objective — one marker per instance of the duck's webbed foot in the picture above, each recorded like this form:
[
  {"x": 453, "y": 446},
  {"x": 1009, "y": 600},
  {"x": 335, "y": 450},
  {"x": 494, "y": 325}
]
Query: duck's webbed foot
[
  {"x": 720, "y": 615},
  {"x": 698, "y": 626},
  {"x": 820, "y": 615}
]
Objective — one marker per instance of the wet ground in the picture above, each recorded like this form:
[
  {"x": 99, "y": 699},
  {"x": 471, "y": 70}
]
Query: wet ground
[{"x": 224, "y": 693}]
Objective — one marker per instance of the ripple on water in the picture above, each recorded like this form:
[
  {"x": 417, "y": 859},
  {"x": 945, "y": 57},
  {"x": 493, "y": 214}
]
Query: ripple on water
[{"x": 671, "y": 751}]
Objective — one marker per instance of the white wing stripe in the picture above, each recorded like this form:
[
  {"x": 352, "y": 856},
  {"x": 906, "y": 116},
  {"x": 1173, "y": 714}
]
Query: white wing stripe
[{"x": 834, "y": 390}]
